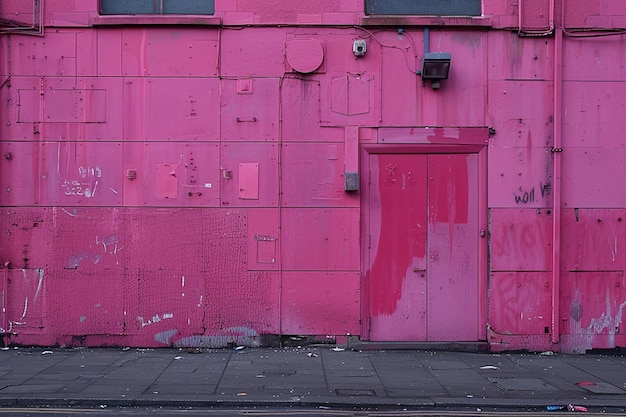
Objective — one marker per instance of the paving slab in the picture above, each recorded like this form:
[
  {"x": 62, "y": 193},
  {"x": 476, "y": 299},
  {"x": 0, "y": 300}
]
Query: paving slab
[
  {"x": 601, "y": 388},
  {"x": 314, "y": 375},
  {"x": 522, "y": 384}
]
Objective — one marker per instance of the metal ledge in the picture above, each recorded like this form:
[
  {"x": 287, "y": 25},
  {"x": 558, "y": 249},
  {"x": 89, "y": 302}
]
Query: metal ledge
[
  {"x": 122, "y": 20},
  {"x": 431, "y": 21}
]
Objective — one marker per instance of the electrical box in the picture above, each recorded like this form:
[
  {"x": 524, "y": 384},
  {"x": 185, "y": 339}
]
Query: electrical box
[{"x": 351, "y": 181}]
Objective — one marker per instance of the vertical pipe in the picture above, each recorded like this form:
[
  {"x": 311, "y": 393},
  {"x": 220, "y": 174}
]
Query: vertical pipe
[
  {"x": 520, "y": 23},
  {"x": 280, "y": 209},
  {"x": 5, "y": 288},
  {"x": 556, "y": 183}
]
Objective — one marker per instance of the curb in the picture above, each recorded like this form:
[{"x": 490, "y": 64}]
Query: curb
[{"x": 424, "y": 404}]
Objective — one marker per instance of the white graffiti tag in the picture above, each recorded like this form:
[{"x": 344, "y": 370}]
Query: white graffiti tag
[{"x": 85, "y": 184}]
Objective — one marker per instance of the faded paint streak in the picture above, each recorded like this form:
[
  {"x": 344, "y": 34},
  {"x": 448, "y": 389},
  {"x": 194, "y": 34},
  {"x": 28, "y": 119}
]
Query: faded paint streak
[
  {"x": 241, "y": 335},
  {"x": 607, "y": 321},
  {"x": 39, "y": 283},
  {"x": 165, "y": 337},
  {"x": 399, "y": 243}
]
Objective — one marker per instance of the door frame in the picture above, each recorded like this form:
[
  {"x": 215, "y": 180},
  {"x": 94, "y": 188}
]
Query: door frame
[{"x": 478, "y": 145}]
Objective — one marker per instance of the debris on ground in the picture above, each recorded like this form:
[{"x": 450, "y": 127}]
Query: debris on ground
[{"x": 568, "y": 407}]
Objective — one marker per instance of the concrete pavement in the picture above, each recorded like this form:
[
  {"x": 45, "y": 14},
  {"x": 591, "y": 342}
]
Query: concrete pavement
[{"x": 317, "y": 376}]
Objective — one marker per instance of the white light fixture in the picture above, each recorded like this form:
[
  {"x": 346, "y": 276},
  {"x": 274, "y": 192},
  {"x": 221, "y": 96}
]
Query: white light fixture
[{"x": 359, "y": 47}]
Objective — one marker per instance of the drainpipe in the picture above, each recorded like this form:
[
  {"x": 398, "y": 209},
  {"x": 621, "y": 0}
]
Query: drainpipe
[
  {"x": 4, "y": 324},
  {"x": 556, "y": 181}
]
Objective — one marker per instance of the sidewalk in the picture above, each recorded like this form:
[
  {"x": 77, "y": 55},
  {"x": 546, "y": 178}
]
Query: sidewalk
[{"x": 320, "y": 376}]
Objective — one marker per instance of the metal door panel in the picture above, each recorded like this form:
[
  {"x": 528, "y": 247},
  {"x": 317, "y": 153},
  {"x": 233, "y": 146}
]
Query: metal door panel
[
  {"x": 313, "y": 176},
  {"x": 169, "y": 52},
  {"x": 316, "y": 239},
  {"x": 249, "y": 109},
  {"x": 452, "y": 247},
  {"x": 237, "y": 161},
  {"x": 23, "y": 300},
  {"x": 320, "y": 302},
  {"x": 398, "y": 222}
]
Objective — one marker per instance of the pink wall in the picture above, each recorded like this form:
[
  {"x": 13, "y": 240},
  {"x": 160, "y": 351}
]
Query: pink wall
[{"x": 178, "y": 184}]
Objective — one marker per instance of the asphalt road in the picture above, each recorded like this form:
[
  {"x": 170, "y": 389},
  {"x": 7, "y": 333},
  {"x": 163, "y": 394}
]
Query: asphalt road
[{"x": 269, "y": 411}]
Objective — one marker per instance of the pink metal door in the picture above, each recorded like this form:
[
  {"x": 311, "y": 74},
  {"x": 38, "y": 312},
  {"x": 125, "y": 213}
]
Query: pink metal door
[
  {"x": 423, "y": 227},
  {"x": 398, "y": 227}
]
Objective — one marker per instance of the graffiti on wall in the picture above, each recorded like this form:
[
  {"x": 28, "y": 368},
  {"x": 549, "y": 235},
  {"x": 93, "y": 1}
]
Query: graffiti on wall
[
  {"x": 84, "y": 184},
  {"x": 528, "y": 196}
]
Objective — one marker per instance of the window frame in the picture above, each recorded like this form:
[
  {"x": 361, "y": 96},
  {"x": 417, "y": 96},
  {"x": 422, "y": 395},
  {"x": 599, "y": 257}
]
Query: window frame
[
  {"x": 158, "y": 8},
  {"x": 454, "y": 8}
]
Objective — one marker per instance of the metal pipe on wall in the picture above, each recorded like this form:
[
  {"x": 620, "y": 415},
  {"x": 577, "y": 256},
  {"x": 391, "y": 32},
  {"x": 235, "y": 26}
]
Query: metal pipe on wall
[{"x": 556, "y": 179}]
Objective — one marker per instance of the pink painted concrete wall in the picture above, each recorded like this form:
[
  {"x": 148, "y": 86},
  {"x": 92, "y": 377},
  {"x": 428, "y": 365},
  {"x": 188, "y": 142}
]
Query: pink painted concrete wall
[{"x": 180, "y": 180}]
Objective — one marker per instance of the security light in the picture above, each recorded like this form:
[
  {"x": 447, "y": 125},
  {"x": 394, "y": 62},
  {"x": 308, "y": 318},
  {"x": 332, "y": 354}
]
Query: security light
[{"x": 435, "y": 65}]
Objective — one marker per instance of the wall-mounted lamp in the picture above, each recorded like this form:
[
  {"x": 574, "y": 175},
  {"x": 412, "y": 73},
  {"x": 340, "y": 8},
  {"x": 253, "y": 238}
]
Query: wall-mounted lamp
[{"x": 435, "y": 65}]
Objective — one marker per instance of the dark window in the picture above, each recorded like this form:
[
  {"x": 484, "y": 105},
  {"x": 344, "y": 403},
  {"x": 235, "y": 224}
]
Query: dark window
[
  {"x": 157, "y": 6},
  {"x": 424, "y": 7}
]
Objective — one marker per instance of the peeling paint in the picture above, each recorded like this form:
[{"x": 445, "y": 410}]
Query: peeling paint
[
  {"x": 164, "y": 337},
  {"x": 39, "y": 284},
  {"x": 242, "y": 335},
  {"x": 74, "y": 261},
  {"x": 25, "y": 308},
  {"x": 607, "y": 321}
]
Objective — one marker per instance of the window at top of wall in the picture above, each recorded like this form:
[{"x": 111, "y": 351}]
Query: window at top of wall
[
  {"x": 126, "y": 7},
  {"x": 423, "y": 7}
]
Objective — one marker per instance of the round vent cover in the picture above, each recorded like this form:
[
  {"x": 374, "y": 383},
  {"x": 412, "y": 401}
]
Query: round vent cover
[{"x": 305, "y": 55}]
